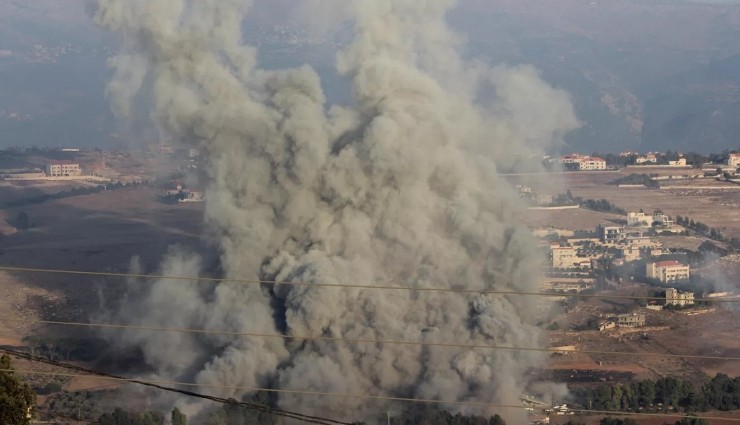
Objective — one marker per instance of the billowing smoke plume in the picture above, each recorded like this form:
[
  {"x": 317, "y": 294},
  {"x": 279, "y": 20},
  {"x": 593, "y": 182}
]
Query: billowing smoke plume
[{"x": 399, "y": 188}]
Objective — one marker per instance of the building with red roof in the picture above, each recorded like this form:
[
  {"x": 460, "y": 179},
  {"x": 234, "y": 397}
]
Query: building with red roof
[{"x": 668, "y": 271}]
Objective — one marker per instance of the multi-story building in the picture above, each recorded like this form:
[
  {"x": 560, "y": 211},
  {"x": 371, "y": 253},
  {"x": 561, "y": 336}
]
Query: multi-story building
[
  {"x": 630, "y": 253},
  {"x": 592, "y": 164},
  {"x": 63, "y": 169},
  {"x": 610, "y": 234},
  {"x": 564, "y": 257},
  {"x": 630, "y": 320},
  {"x": 667, "y": 271},
  {"x": 662, "y": 219},
  {"x": 675, "y": 297}
]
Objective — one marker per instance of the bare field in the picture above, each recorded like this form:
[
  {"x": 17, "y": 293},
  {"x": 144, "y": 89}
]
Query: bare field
[
  {"x": 573, "y": 219},
  {"x": 96, "y": 232},
  {"x": 716, "y": 208},
  {"x": 713, "y": 333}
]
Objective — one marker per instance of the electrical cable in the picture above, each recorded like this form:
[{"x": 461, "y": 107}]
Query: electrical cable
[
  {"x": 163, "y": 385},
  {"x": 370, "y": 341},
  {"x": 349, "y": 286}
]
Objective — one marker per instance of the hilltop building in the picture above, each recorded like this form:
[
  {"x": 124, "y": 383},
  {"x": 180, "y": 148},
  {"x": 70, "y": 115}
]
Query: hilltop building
[
  {"x": 667, "y": 271},
  {"x": 592, "y": 164},
  {"x": 675, "y": 297},
  {"x": 63, "y": 169},
  {"x": 649, "y": 158}
]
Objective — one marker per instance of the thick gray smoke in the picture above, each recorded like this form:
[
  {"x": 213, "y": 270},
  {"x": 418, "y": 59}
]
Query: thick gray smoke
[{"x": 398, "y": 188}]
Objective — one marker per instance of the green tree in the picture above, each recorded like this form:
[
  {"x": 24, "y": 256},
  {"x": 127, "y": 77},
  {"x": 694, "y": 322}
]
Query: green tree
[
  {"x": 17, "y": 399},
  {"x": 178, "y": 418}
]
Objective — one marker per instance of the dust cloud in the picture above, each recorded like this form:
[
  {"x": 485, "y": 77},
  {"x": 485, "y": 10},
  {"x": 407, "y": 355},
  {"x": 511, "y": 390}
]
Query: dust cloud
[{"x": 400, "y": 187}]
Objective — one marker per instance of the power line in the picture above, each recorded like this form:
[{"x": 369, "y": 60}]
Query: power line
[
  {"x": 161, "y": 385},
  {"x": 349, "y": 285},
  {"x": 370, "y": 341}
]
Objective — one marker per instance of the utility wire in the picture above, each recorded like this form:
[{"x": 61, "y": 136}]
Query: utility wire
[
  {"x": 386, "y": 287},
  {"x": 162, "y": 386},
  {"x": 367, "y": 340}
]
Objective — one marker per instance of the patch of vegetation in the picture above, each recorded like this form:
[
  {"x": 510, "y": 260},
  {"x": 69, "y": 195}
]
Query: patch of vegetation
[
  {"x": 719, "y": 393},
  {"x": 635, "y": 179},
  {"x": 17, "y": 400}
]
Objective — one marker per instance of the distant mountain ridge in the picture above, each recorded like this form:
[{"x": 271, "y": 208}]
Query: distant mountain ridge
[{"x": 644, "y": 75}]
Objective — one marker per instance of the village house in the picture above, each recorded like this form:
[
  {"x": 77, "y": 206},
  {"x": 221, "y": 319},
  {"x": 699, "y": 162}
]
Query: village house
[
  {"x": 638, "y": 219},
  {"x": 632, "y": 320},
  {"x": 592, "y": 164},
  {"x": 678, "y": 298},
  {"x": 734, "y": 160},
  {"x": 649, "y": 158}
]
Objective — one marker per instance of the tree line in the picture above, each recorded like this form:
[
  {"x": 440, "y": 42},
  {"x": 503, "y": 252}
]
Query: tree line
[
  {"x": 688, "y": 420},
  {"x": 719, "y": 393}
]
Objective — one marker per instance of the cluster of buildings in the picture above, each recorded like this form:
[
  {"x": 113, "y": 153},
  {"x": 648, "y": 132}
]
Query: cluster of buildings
[
  {"x": 61, "y": 169},
  {"x": 621, "y": 245},
  {"x": 584, "y": 162}
]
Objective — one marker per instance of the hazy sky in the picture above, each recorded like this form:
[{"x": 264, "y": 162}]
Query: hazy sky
[{"x": 642, "y": 73}]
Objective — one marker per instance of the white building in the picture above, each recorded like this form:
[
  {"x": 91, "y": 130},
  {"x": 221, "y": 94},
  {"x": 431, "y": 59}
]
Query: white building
[
  {"x": 591, "y": 164},
  {"x": 651, "y": 158},
  {"x": 675, "y": 297},
  {"x": 734, "y": 160},
  {"x": 638, "y": 219},
  {"x": 610, "y": 234},
  {"x": 680, "y": 162},
  {"x": 63, "y": 169},
  {"x": 667, "y": 271},
  {"x": 630, "y": 320},
  {"x": 662, "y": 219},
  {"x": 192, "y": 196},
  {"x": 564, "y": 257}
]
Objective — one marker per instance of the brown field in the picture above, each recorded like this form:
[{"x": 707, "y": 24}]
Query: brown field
[
  {"x": 713, "y": 333},
  {"x": 716, "y": 208},
  {"x": 97, "y": 232}
]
